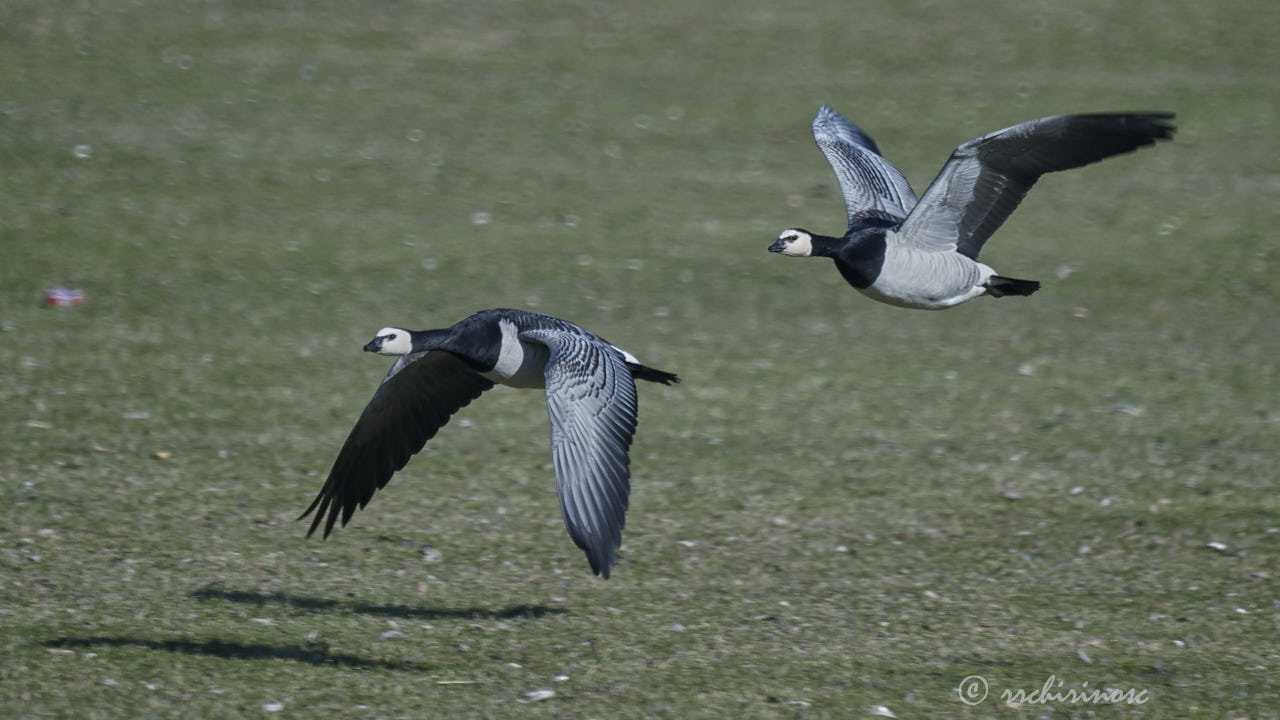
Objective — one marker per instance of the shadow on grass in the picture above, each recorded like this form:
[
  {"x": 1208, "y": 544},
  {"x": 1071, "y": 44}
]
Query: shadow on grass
[
  {"x": 311, "y": 654},
  {"x": 400, "y": 611}
]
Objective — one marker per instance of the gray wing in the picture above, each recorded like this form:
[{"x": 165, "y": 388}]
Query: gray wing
[
  {"x": 986, "y": 178},
  {"x": 417, "y": 397},
  {"x": 591, "y": 399},
  {"x": 870, "y": 184}
]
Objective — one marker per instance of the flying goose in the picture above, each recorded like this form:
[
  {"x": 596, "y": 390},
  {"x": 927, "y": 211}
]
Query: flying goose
[
  {"x": 924, "y": 254},
  {"x": 591, "y": 398}
]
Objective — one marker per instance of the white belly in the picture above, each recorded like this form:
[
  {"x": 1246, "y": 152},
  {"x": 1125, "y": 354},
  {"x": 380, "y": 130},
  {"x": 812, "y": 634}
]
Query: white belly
[
  {"x": 928, "y": 281},
  {"x": 520, "y": 364}
]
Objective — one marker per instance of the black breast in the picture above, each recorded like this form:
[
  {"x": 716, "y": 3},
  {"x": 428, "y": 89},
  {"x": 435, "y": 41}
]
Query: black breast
[
  {"x": 862, "y": 256},
  {"x": 476, "y": 339}
]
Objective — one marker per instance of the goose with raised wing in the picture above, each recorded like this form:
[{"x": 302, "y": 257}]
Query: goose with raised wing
[
  {"x": 591, "y": 398},
  {"x": 923, "y": 253}
]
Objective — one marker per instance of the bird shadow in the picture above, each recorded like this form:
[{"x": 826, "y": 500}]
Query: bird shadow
[
  {"x": 310, "y": 653},
  {"x": 313, "y": 653},
  {"x": 314, "y": 604}
]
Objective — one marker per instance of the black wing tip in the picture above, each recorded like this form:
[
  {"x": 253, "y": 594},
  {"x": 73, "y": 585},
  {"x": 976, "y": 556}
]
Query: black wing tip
[
  {"x": 1155, "y": 124},
  {"x": 1161, "y": 124},
  {"x": 316, "y": 520},
  {"x": 315, "y": 523},
  {"x": 327, "y": 511},
  {"x": 601, "y": 560}
]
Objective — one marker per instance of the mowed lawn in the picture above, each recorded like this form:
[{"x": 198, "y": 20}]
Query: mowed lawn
[{"x": 844, "y": 510}]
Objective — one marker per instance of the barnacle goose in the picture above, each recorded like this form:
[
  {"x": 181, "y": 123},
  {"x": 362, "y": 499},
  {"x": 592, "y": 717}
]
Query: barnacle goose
[
  {"x": 925, "y": 254},
  {"x": 591, "y": 398}
]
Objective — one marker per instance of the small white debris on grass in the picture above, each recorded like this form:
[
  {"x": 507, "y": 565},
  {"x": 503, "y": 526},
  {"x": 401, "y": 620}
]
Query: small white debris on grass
[
  {"x": 536, "y": 695},
  {"x": 778, "y": 520},
  {"x": 481, "y": 218},
  {"x": 1123, "y": 407},
  {"x": 560, "y": 678},
  {"x": 687, "y": 543},
  {"x": 1080, "y": 653},
  {"x": 1215, "y": 545},
  {"x": 842, "y": 548},
  {"x": 136, "y": 415},
  {"x": 931, "y": 595},
  {"x": 1084, "y": 550},
  {"x": 110, "y": 682},
  {"x": 392, "y": 635},
  {"x": 263, "y": 621},
  {"x": 1026, "y": 369},
  {"x": 1076, "y": 490},
  {"x": 677, "y": 627},
  {"x": 1241, "y": 611},
  {"x": 882, "y": 711},
  {"x": 1010, "y": 495},
  {"x": 273, "y": 707}
]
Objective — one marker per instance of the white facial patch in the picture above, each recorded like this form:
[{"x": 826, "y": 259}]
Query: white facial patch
[
  {"x": 796, "y": 243},
  {"x": 395, "y": 341}
]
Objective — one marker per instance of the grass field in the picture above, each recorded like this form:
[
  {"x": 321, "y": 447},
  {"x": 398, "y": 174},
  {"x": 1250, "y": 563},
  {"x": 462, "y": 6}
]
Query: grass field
[{"x": 844, "y": 510}]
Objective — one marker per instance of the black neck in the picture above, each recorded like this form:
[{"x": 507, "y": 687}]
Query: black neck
[
  {"x": 825, "y": 245},
  {"x": 424, "y": 340}
]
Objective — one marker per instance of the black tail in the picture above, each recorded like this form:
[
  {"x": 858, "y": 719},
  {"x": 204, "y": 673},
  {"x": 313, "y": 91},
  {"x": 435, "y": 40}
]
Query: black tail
[
  {"x": 644, "y": 372},
  {"x": 999, "y": 286}
]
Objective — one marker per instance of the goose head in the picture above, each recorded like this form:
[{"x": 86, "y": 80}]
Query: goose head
[
  {"x": 794, "y": 242},
  {"x": 391, "y": 341}
]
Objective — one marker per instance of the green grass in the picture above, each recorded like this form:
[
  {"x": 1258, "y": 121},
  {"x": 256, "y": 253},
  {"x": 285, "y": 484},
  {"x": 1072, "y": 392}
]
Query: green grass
[{"x": 844, "y": 505}]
